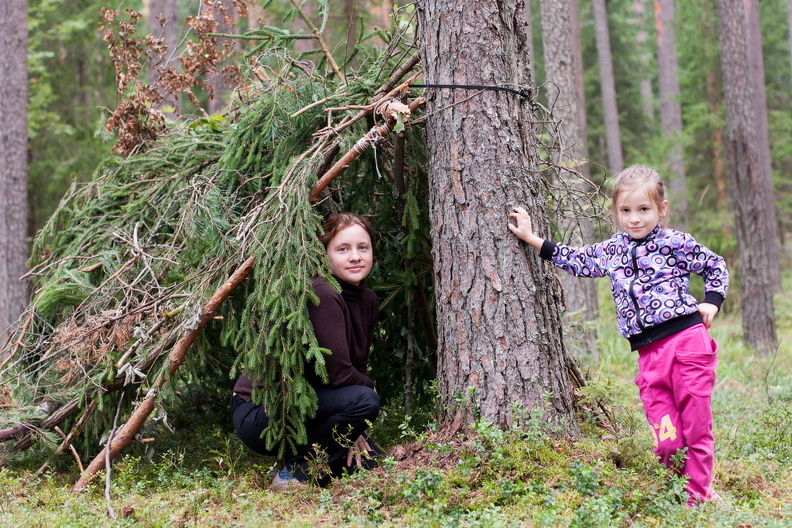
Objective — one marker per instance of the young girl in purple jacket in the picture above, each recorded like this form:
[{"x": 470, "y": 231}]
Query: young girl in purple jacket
[{"x": 649, "y": 267}]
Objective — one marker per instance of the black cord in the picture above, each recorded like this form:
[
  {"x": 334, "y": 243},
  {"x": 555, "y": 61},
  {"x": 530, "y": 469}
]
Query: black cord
[{"x": 521, "y": 93}]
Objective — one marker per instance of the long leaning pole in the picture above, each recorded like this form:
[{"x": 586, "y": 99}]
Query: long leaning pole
[{"x": 127, "y": 433}]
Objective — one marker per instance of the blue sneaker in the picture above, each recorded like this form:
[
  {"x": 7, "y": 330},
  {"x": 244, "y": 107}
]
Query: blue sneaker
[{"x": 285, "y": 480}]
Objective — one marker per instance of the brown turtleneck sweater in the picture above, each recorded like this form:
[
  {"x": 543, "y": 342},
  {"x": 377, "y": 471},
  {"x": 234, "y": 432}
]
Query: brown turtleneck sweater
[{"x": 344, "y": 324}]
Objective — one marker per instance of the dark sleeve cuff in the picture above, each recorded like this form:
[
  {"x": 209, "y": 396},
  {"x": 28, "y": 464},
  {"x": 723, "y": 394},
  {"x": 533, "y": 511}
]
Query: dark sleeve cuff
[
  {"x": 548, "y": 248},
  {"x": 714, "y": 298}
]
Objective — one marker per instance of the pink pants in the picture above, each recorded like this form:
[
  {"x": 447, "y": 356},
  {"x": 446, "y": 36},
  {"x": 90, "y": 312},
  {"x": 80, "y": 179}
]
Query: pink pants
[{"x": 675, "y": 378}]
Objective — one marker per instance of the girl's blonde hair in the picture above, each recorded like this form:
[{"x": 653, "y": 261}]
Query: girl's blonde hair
[{"x": 640, "y": 177}]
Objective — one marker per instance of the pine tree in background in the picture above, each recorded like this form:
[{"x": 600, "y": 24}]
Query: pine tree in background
[
  {"x": 757, "y": 77},
  {"x": 670, "y": 106},
  {"x": 608, "y": 88},
  {"x": 14, "y": 166},
  {"x": 747, "y": 181}
]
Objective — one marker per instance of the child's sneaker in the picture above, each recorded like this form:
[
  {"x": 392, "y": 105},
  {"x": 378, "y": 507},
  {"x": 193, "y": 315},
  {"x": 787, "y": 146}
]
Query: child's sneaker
[{"x": 285, "y": 480}]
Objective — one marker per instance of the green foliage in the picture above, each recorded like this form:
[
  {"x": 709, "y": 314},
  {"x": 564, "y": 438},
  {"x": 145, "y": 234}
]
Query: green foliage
[{"x": 127, "y": 261}]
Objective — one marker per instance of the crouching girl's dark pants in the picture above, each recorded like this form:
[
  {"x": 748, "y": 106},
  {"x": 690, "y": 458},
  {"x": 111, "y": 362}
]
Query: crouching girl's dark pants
[{"x": 340, "y": 418}]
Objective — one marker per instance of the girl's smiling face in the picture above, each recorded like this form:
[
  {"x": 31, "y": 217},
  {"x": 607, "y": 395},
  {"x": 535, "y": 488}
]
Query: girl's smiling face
[
  {"x": 638, "y": 214},
  {"x": 350, "y": 254}
]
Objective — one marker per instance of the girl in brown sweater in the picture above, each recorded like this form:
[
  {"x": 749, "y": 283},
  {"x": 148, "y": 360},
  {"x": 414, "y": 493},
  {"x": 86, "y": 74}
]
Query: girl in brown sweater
[{"x": 344, "y": 324}]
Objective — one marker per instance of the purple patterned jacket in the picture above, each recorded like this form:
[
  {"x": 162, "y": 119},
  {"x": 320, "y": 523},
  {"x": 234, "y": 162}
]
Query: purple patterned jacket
[{"x": 649, "y": 279}]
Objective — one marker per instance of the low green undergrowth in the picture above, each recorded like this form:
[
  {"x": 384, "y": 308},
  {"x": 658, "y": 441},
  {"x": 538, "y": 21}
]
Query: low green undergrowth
[{"x": 480, "y": 477}]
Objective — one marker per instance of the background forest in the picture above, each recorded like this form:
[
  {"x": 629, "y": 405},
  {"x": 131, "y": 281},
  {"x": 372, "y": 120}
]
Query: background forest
[
  {"x": 72, "y": 86},
  {"x": 487, "y": 477}
]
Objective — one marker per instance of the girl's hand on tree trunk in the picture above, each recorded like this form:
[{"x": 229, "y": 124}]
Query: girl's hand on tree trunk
[{"x": 524, "y": 228}]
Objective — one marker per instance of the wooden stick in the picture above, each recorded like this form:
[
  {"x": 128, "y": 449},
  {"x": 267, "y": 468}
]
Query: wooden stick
[
  {"x": 71, "y": 448},
  {"x": 371, "y": 137},
  {"x": 126, "y": 434},
  {"x": 22, "y": 431},
  {"x": 403, "y": 70},
  {"x": 316, "y": 103},
  {"x": 349, "y": 121},
  {"x": 14, "y": 432}
]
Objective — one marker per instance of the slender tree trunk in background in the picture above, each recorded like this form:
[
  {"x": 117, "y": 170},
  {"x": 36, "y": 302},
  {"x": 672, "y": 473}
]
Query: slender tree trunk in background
[
  {"x": 757, "y": 76},
  {"x": 647, "y": 96},
  {"x": 218, "y": 82},
  {"x": 789, "y": 31},
  {"x": 577, "y": 50},
  {"x": 379, "y": 11},
  {"x": 257, "y": 16},
  {"x": 715, "y": 103},
  {"x": 719, "y": 163},
  {"x": 563, "y": 70},
  {"x": 529, "y": 37},
  {"x": 498, "y": 306},
  {"x": 610, "y": 110},
  {"x": 163, "y": 22},
  {"x": 747, "y": 184},
  {"x": 670, "y": 107},
  {"x": 13, "y": 162},
  {"x": 352, "y": 18}
]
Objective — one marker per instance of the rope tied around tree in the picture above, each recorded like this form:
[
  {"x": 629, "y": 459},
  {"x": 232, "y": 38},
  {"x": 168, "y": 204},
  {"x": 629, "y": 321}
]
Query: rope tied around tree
[{"x": 524, "y": 94}]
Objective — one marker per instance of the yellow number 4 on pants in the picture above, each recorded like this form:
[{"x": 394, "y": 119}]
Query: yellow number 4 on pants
[{"x": 665, "y": 430}]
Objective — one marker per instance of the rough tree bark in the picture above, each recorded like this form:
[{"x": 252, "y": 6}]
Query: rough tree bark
[
  {"x": 670, "y": 107},
  {"x": 564, "y": 72},
  {"x": 757, "y": 76},
  {"x": 13, "y": 162},
  {"x": 498, "y": 306},
  {"x": 610, "y": 110},
  {"x": 747, "y": 184}
]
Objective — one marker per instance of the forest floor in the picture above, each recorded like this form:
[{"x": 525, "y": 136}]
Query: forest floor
[{"x": 201, "y": 475}]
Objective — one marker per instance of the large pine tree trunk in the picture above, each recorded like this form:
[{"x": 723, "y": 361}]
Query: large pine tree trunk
[
  {"x": 670, "y": 107},
  {"x": 13, "y": 161},
  {"x": 747, "y": 184},
  {"x": 499, "y": 339},
  {"x": 564, "y": 75},
  {"x": 610, "y": 110},
  {"x": 757, "y": 76}
]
